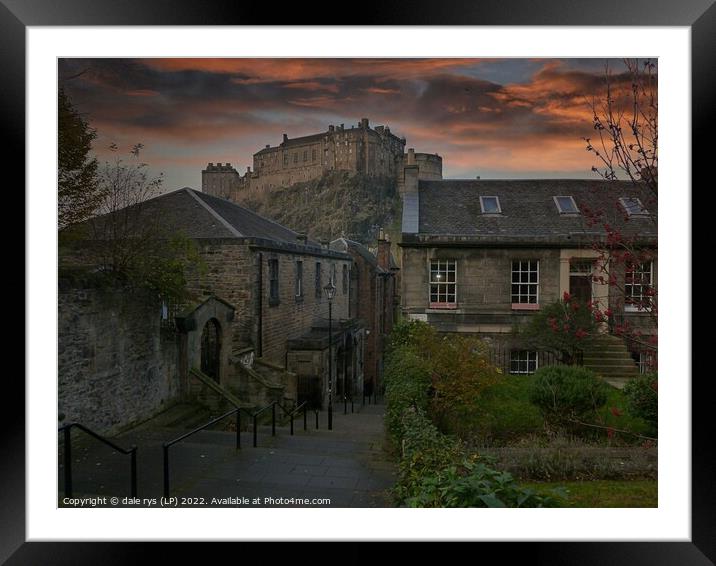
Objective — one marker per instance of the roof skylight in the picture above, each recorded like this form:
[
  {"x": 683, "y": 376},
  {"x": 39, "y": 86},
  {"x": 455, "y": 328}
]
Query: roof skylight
[
  {"x": 633, "y": 206},
  {"x": 566, "y": 205},
  {"x": 490, "y": 205}
]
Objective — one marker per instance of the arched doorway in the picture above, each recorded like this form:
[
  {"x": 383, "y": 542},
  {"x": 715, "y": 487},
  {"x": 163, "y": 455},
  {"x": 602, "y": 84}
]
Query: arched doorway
[{"x": 211, "y": 349}]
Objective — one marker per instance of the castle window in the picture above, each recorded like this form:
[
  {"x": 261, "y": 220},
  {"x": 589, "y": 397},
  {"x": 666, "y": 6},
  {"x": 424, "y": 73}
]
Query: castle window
[
  {"x": 305, "y": 155},
  {"x": 490, "y": 205},
  {"x": 525, "y": 284},
  {"x": 638, "y": 288},
  {"x": 523, "y": 361},
  {"x": 313, "y": 155},
  {"x": 443, "y": 284},
  {"x": 295, "y": 157},
  {"x": 285, "y": 159},
  {"x": 566, "y": 205},
  {"x": 299, "y": 281},
  {"x": 319, "y": 290},
  {"x": 345, "y": 279},
  {"x": 273, "y": 282},
  {"x": 633, "y": 206}
]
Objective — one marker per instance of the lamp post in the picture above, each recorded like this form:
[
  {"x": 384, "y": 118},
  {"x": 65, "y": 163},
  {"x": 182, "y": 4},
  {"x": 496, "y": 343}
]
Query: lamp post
[{"x": 330, "y": 292}]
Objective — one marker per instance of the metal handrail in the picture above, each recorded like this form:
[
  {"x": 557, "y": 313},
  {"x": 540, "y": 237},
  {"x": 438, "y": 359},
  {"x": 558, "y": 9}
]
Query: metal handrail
[
  {"x": 291, "y": 413},
  {"x": 167, "y": 445},
  {"x": 67, "y": 430}
]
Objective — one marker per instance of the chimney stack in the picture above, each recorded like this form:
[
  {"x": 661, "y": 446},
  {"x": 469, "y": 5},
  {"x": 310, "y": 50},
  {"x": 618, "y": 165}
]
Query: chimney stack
[
  {"x": 411, "y": 156},
  {"x": 285, "y": 138},
  {"x": 364, "y": 123}
]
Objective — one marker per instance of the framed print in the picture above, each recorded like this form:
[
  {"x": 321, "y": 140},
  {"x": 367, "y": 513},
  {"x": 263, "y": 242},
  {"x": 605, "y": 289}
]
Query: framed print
[{"x": 168, "y": 77}]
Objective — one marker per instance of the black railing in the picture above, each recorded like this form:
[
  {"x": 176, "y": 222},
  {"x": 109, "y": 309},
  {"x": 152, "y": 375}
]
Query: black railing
[
  {"x": 167, "y": 445},
  {"x": 502, "y": 358},
  {"x": 289, "y": 413},
  {"x": 67, "y": 431}
]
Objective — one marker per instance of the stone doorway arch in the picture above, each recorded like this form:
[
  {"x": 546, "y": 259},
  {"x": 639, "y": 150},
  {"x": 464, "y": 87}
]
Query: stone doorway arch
[{"x": 211, "y": 349}]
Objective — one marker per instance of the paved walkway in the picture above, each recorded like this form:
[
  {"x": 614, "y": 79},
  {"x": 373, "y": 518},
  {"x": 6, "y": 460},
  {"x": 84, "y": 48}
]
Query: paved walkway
[{"x": 348, "y": 466}]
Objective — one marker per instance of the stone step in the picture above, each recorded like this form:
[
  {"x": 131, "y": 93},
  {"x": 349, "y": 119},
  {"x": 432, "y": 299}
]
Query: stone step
[
  {"x": 611, "y": 360},
  {"x": 616, "y": 372}
]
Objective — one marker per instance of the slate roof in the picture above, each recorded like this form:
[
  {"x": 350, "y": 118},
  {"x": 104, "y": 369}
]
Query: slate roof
[
  {"x": 451, "y": 208},
  {"x": 294, "y": 141},
  {"x": 344, "y": 245},
  {"x": 201, "y": 216}
]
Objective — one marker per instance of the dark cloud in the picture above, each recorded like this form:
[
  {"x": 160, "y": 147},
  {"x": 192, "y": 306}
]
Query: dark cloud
[{"x": 507, "y": 116}]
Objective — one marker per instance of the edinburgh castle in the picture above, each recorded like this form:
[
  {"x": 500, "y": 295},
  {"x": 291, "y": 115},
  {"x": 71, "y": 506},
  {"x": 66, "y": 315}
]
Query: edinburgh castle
[{"x": 373, "y": 152}]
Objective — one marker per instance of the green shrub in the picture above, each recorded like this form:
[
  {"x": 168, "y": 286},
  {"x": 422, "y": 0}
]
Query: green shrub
[
  {"x": 563, "y": 327},
  {"x": 459, "y": 371},
  {"x": 407, "y": 382},
  {"x": 435, "y": 471},
  {"x": 642, "y": 399},
  {"x": 426, "y": 372},
  {"x": 567, "y": 393}
]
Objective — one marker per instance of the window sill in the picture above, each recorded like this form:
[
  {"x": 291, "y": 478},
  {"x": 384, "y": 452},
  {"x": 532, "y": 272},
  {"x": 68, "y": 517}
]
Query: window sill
[
  {"x": 525, "y": 306},
  {"x": 443, "y": 306},
  {"x": 635, "y": 310}
]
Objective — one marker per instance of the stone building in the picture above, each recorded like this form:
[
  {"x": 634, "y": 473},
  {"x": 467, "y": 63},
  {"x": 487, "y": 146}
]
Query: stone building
[
  {"x": 374, "y": 300},
  {"x": 483, "y": 256},
  {"x": 256, "y": 331},
  {"x": 359, "y": 149}
]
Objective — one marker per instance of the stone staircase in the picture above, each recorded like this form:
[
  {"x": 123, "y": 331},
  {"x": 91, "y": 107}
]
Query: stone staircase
[{"x": 607, "y": 355}]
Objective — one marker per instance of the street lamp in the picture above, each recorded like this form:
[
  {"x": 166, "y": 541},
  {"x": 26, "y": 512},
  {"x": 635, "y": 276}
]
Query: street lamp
[{"x": 330, "y": 292}]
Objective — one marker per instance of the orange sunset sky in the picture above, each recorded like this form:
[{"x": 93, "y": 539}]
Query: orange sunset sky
[{"x": 496, "y": 118}]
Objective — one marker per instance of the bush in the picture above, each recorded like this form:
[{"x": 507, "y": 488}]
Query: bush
[
  {"x": 407, "y": 382},
  {"x": 428, "y": 372},
  {"x": 642, "y": 399},
  {"x": 436, "y": 472},
  {"x": 563, "y": 327},
  {"x": 567, "y": 393},
  {"x": 458, "y": 367}
]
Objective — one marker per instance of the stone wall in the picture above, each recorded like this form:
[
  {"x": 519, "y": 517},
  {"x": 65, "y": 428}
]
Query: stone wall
[
  {"x": 222, "y": 181},
  {"x": 483, "y": 286},
  {"x": 374, "y": 152},
  {"x": 229, "y": 274},
  {"x": 116, "y": 367},
  {"x": 232, "y": 273},
  {"x": 293, "y": 316}
]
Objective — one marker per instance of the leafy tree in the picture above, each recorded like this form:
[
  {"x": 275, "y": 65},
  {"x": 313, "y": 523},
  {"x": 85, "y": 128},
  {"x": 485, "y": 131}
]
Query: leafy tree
[
  {"x": 126, "y": 242},
  {"x": 625, "y": 119},
  {"x": 78, "y": 192}
]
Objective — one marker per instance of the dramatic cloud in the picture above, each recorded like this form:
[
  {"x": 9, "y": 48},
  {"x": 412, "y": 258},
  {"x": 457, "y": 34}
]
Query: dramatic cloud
[{"x": 488, "y": 117}]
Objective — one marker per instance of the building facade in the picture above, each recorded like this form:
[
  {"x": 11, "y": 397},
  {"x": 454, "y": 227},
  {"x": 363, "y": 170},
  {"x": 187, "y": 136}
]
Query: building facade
[
  {"x": 374, "y": 300},
  {"x": 483, "y": 257},
  {"x": 255, "y": 331}
]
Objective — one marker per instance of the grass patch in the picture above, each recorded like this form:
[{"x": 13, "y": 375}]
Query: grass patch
[
  {"x": 504, "y": 415},
  {"x": 504, "y": 412},
  {"x": 602, "y": 493}
]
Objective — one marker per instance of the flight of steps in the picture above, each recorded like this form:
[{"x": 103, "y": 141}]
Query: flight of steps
[
  {"x": 181, "y": 416},
  {"x": 608, "y": 356}
]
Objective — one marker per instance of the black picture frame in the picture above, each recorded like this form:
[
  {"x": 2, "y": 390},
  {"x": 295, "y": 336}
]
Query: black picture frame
[{"x": 17, "y": 15}]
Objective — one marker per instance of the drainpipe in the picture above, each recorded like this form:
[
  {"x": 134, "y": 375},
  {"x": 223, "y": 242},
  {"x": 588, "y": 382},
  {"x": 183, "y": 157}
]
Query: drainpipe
[{"x": 259, "y": 313}]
